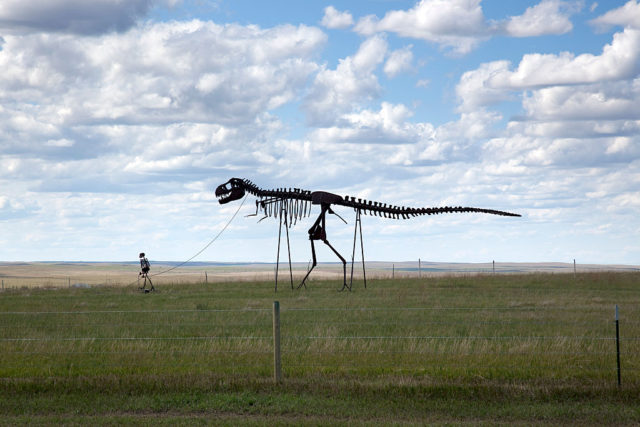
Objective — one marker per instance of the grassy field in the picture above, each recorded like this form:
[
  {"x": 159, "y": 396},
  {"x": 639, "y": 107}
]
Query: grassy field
[{"x": 533, "y": 348}]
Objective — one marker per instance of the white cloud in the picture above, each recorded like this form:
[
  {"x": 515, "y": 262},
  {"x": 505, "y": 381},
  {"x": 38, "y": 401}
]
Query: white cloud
[
  {"x": 601, "y": 102},
  {"x": 578, "y": 130},
  {"x": 146, "y": 110},
  {"x": 618, "y": 60},
  {"x": 389, "y": 125},
  {"x": 73, "y": 16},
  {"x": 156, "y": 74},
  {"x": 455, "y": 24},
  {"x": 460, "y": 25},
  {"x": 627, "y": 15},
  {"x": 335, "y": 19},
  {"x": 547, "y": 17},
  {"x": 399, "y": 60},
  {"x": 474, "y": 90},
  {"x": 560, "y": 153},
  {"x": 492, "y": 82},
  {"x": 335, "y": 92}
]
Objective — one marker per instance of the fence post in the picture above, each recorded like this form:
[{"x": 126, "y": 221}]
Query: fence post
[
  {"x": 393, "y": 272},
  {"x": 277, "y": 365},
  {"x": 419, "y": 269},
  {"x": 206, "y": 278},
  {"x": 494, "y": 266},
  {"x": 618, "y": 345}
]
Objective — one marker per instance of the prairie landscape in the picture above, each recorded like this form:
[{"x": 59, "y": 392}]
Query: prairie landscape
[
  {"x": 533, "y": 347},
  {"x": 458, "y": 130},
  {"x": 82, "y": 274}
]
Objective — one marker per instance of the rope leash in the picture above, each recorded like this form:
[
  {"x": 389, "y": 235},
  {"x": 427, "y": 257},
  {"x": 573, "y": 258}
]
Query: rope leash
[{"x": 204, "y": 248}]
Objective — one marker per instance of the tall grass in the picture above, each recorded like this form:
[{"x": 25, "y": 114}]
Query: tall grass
[{"x": 529, "y": 334}]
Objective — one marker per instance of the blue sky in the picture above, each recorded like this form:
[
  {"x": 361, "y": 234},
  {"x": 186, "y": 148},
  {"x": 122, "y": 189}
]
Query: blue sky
[{"x": 118, "y": 119}]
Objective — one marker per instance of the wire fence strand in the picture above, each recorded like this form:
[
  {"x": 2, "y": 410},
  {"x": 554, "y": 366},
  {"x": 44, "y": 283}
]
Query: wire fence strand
[{"x": 51, "y": 339}]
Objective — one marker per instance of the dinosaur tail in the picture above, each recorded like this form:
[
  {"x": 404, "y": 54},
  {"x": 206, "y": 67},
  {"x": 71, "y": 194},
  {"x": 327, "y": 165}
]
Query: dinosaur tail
[{"x": 402, "y": 212}]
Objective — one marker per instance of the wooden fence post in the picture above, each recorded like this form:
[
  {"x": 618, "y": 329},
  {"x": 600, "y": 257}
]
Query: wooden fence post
[
  {"x": 277, "y": 364},
  {"x": 618, "y": 345}
]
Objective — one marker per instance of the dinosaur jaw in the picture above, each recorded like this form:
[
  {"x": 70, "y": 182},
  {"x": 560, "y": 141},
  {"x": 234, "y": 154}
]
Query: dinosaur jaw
[{"x": 229, "y": 191}]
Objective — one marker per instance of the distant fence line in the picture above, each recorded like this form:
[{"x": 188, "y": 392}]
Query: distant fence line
[{"x": 324, "y": 271}]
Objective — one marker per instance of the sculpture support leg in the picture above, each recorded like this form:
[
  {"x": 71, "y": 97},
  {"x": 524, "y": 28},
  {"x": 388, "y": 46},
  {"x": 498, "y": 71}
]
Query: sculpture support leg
[
  {"x": 344, "y": 265},
  {"x": 358, "y": 224},
  {"x": 278, "y": 253},
  {"x": 315, "y": 262},
  {"x": 364, "y": 271},
  {"x": 289, "y": 252},
  {"x": 283, "y": 218}
]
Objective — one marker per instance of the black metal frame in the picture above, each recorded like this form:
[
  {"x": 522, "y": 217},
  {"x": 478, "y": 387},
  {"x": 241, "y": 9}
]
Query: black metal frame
[{"x": 294, "y": 204}]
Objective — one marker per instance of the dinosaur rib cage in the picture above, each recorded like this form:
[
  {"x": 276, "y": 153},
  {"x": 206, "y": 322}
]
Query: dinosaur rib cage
[{"x": 296, "y": 203}]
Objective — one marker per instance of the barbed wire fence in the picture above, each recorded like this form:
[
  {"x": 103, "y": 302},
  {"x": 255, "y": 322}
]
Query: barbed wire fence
[{"x": 488, "y": 342}]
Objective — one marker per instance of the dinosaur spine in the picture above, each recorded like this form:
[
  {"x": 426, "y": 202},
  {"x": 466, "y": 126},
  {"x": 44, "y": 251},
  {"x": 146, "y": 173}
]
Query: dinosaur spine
[{"x": 297, "y": 204}]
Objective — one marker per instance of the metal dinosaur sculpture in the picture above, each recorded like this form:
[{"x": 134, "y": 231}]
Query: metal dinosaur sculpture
[{"x": 294, "y": 204}]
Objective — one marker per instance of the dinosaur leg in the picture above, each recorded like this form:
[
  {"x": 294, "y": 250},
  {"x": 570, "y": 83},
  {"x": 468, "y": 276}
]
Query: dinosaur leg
[
  {"x": 316, "y": 232},
  {"x": 315, "y": 262},
  {"x": 344, "y": 265}
]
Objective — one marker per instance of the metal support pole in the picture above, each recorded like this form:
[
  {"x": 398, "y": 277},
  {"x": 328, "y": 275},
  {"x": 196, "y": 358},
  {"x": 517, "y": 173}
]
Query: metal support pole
[
  {"x": 618, "y": 345},
  {"x": 283, "y": 217},
  {"x": 278, "y": 255},
  {"x": 277, "y": 364},
  {"x": 289, "y": 252},
  {"x": 353, "y": 253},
  {"x": 358, "y": 224},
  {"x": 364, "y": 270}
]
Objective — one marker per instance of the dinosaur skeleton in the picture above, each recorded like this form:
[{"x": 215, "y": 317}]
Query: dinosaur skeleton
[{"x": 291, "y": 205}]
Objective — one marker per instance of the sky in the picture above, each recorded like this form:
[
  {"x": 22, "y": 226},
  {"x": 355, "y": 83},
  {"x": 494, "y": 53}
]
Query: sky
[{"x": 119, "y": 118}]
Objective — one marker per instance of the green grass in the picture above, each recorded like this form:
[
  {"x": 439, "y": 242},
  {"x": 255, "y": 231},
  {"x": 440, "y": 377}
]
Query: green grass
[{"x": 535, "y": 348}]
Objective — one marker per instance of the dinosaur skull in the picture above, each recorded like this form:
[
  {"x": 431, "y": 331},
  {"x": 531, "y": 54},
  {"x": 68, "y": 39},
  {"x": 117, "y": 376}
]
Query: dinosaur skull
[{"x": 230, "y": 191}]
